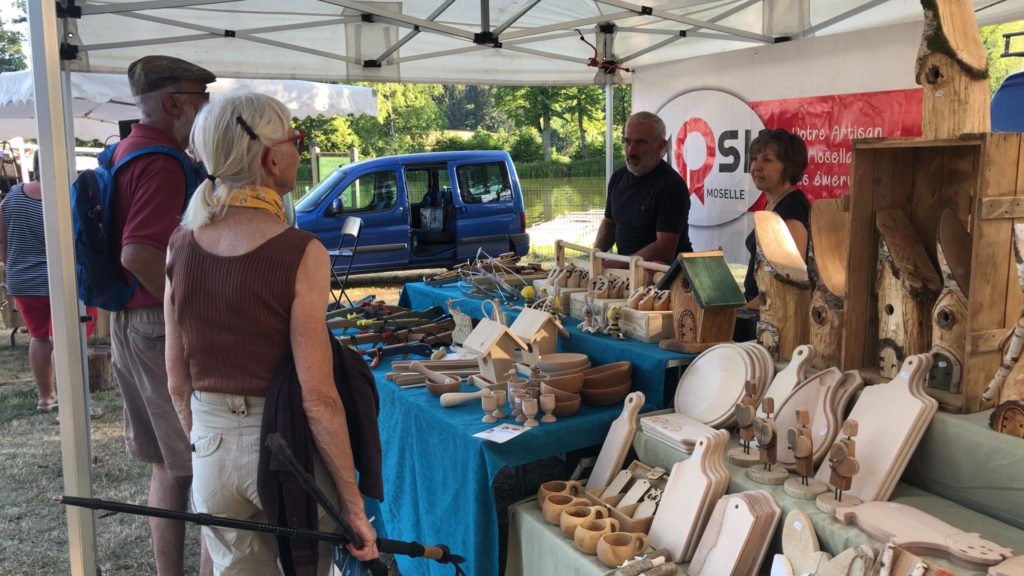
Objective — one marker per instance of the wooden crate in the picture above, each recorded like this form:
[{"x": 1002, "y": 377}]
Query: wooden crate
[
  {"x": 981, "y": 179},
  {"x": 576, "y": 300},
  {"x": 647, "y": 326}
]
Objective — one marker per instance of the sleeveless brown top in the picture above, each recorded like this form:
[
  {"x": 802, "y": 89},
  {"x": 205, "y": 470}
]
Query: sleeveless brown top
[{"x": 234, "y": 312}]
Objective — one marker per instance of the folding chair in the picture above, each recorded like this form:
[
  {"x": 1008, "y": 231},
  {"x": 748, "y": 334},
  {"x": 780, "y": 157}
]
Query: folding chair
[{"x": 352, "y": 226}]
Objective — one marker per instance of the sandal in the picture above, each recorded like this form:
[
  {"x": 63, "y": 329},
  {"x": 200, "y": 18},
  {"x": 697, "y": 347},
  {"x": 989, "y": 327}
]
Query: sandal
[{"x": 48, "y": 407}]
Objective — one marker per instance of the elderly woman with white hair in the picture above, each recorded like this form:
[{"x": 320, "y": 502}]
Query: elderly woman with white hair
[{"x": 243, "y": 290}]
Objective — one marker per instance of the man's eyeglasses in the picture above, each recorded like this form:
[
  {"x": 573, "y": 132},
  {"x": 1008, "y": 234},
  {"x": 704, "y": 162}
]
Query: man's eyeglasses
[
  {"x": 204, "y": 96},
  {"x": 298, "y": 137}
]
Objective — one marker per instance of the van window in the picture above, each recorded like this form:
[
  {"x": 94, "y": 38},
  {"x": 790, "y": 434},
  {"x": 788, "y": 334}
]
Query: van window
[
  {"x": 373, "y": 192},
  {"x": 421, "y": 180},
  {"x": 484, "y": 183}
]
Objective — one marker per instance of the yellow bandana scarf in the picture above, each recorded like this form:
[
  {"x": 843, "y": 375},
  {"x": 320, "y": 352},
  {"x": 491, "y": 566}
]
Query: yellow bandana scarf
[{"x": 257, "y": 197}]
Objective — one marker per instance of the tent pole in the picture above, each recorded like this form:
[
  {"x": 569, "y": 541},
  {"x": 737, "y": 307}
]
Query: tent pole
[
  {"x": 609, "y": 127},
  {"x": 54, "y": 144}
]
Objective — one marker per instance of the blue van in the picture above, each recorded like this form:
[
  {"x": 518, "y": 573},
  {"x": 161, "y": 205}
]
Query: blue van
[
  {"x": 421, "y": 210},
  {"x": 1008, "y": 105}
]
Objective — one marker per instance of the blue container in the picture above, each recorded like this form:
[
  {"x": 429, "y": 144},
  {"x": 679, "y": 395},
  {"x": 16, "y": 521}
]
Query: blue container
[{"x": 1008, "y": 105}]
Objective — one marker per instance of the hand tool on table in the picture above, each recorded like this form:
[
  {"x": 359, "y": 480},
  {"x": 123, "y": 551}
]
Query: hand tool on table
[
  {"x": 434, "y": 330},
  {"x": 333, "y": 310},
  {"x": 376, "y": 353}
]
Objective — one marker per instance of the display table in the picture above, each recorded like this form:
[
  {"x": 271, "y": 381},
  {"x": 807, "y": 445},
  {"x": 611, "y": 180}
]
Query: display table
[
  {"x": 654, "y": 371},
  {"x": 535, "y": 545}
]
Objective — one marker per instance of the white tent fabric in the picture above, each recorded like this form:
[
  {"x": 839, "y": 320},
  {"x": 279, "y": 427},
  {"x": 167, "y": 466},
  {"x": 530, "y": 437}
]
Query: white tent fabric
[
  {"x": 100, "y": 100},
  {"x": 449, "y": 41}
]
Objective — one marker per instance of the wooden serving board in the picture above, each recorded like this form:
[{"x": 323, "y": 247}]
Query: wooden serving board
[
  {"x": 921, "y": 533},
  {"x": 794, "y": 373},
  {"x": 889, "y": 414},
  {"x": 713, "y": 383},
  {"x": 616, "y": 443},
  {"x": 817, "y": 396},
  {"x": 724, "y": 539},
  {"x": 800, "y": 544},
  {"x": 779, "y": 248}
]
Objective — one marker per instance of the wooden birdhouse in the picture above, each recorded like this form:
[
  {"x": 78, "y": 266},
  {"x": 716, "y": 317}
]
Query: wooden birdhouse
[
  {"x": 784, "y": 286},
  {"x": 952, "y": 67},
  {"x": 540, "y": 330},
  {"x": 495, "y": 347},
  {"x": 907, "y": 286},
  {"x": 826, "y": 264},
  {"x": 704, "y": 297},
  {"x": 949, "y": 315}
]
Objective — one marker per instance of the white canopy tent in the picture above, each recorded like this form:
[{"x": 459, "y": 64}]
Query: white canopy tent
[
  {"x": 100, "y": 100},
  {"x": 448, "y": 41}
]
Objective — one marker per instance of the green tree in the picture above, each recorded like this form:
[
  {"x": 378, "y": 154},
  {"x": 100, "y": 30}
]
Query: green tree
[
  {"x": 584, "y": 106},
  {"x": 11, "y": 56},
  {"x": 998, "y": 67},
  {"x": 408, "y": 117},
  {"x": 331, "y": 134},
  {"x": 534, "y": 106}
]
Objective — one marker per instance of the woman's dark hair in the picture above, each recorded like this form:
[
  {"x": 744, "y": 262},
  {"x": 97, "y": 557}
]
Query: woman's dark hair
[{"x": 790, "y": 149}]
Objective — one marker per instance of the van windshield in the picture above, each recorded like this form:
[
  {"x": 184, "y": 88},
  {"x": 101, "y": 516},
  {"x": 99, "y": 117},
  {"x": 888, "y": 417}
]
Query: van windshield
[{"x": 310, "y": 201}]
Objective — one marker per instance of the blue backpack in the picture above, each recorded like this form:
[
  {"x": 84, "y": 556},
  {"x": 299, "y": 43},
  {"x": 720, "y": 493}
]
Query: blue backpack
[{"x": 97, "y": 264}]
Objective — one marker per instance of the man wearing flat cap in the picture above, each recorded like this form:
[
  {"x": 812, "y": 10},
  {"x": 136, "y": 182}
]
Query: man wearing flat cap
[{"x": 147, "y": 206}]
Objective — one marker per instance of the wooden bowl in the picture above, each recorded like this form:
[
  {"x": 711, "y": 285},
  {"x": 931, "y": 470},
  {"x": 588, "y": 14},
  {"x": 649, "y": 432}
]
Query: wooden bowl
[
  {"x": 606, "y": 396},
  {"x": 437, "y": 389},
  {"x": 569, "y": 372},
  {"x": 560, "y": 395},
  {"x": 607, "y": 375},
  {"x": 567, "y": 408},
  {"x": 562, "y": 361},
  {"x": 570, "y": 383}
]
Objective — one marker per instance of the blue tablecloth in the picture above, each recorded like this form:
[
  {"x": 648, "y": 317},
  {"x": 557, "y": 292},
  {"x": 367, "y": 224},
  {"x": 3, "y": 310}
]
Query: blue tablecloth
[
  {"x": 649, "y": 362},
  {"x": 438, "y": 477}
]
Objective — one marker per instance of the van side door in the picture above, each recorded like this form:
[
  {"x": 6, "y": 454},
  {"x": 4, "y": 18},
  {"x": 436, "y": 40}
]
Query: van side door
[
  {"x": 486, "y": 211},
  {"x": 378, "y": 197}
]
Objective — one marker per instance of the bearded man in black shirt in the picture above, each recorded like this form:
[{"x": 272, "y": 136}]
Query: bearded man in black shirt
[{"x": 648, "y": 204}]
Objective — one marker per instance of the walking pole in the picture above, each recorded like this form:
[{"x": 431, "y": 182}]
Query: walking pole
[{"x": 279, "y": 447}]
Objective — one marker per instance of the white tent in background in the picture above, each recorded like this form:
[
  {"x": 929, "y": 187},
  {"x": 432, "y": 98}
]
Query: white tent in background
[{"x": 100, "y": 100}]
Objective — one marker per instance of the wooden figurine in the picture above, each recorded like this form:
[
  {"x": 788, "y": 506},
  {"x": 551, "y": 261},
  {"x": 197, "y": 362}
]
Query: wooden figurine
[
  {"x": 613, "y": 329},
  {"x": 907, "y": 286},
  {"x": 746, "y": 414},
  {"x": 949, "y": 315},
  {"x": 952, "y": 67},
  {"x": 826, "y": 264},
  {"x": 843, "y": 466},
  {"x": 801, "y": 443},
  {"x": 703, "y": 297},
  {"x": 540, "y": 330},
  {"x": 589, "y": 323},
  {"x": 463, "y": 323},
  {"x": 784, "y": 287},
  {"x": 767, "y": 445},
  {"x": 495, "y": 346}
]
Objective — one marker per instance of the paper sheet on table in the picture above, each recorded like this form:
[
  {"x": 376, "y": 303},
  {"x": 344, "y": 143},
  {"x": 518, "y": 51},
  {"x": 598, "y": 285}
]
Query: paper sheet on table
[{"x": 502, "y": 433}]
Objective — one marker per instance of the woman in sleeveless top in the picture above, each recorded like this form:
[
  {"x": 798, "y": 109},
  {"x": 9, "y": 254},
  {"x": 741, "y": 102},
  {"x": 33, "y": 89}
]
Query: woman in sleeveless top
[
  {"x": 243, "y": 289},
  {"x": 778, "y": 161}
]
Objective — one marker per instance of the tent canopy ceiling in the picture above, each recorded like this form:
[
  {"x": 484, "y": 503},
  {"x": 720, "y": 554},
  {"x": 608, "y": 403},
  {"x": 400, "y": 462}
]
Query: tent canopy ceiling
[
  {"x": 461, "y": 41},
  {"x": 100, "y": 101}
]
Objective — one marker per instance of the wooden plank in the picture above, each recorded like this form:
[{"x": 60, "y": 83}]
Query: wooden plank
[
  {"x": 1001, "y": 207},
  {"x": 992, "y": 262},
  {"x": 1014, "y": 294},
  {"x": 987, "y": 341},
  {"x": 926, "y": 204},
  {"x": 916, "y": 142},
  {"x": 959, "y": 180},
  {"x": 860, "y": 268}
]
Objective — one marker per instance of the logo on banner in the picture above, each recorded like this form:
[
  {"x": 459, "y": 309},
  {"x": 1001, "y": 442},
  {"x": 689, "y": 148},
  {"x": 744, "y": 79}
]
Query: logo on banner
[{"x": 709, "y": 133}]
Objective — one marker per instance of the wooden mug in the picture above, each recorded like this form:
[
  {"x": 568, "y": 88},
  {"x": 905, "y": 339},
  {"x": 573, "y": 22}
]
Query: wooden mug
[
  {"x": 570, "y": 487},
  {"x": 615, "y": 548},
  {"x": 554, "y": 504},
  {"x": 573, "y": 517},
  {"x": 589, "y": 533}
]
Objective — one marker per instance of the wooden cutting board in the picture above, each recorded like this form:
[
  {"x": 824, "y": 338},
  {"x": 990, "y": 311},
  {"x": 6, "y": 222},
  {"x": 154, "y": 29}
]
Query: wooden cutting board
[
  {"x": 713, "y": 383},
  {"x": 786, "y": 380},
  {"x": 725, "y": 538},
  {"x": 616, "y": 443},
  {"x": 800, "y": 544},
  {"x": 816, "y": 395},
  {"x": 687, "y": 493},
  {"x": 888, "y": 414},
  {"x": 921, "y": 533}
]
